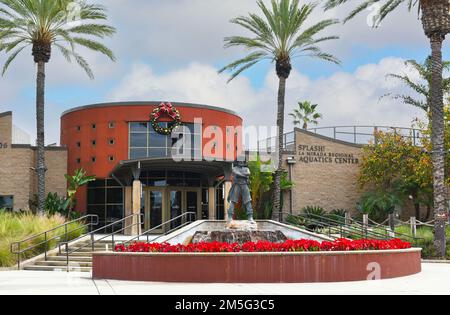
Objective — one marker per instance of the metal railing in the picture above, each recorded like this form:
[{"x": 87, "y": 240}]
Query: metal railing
[
  {"x": 94, "y": 240},
  {"x": 352, "y": 134},
  {"x": 365, "y": 134},
  {"x": 17, "y": 247},
  {"x": 343, "y": 227},
  {"x": 186, "y": 219}
]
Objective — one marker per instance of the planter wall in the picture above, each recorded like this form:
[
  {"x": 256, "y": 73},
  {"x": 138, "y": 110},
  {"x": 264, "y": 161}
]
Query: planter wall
[{"x": 257, "y": 267}]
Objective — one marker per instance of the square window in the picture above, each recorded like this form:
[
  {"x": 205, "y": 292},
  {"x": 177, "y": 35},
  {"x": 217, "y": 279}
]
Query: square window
[
  {"x": 111, "y": 158},
  {"x": 114, "y": 195},
  {"x": 138, "y": 153},
  {"x": 138, "y": 127},
  {"x": 157, "y": 140},
  {"x": 112, "y": 142},
  {"x": 112, "y": 124},
  {"x": 94, "y": 142},
  {"x": 7, "y": 202},
  {"x": 138, "y": 140},
  {"x": 157, "y": 152},
  {"x": 96, "y": 196}
]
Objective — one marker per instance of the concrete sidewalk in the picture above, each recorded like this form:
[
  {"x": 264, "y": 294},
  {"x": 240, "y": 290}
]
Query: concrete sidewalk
[{"x": 435, "y": 279}]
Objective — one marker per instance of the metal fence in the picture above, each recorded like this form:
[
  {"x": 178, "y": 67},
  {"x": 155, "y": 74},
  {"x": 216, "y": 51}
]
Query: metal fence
[{"x": 352, "y": 134}]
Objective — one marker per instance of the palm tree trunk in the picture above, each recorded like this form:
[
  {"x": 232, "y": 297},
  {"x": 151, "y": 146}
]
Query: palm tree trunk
[
  {"x": 277, "y": 177},
  {"x": 437, "y": 138},
  {"x": 40, "y": 158}
]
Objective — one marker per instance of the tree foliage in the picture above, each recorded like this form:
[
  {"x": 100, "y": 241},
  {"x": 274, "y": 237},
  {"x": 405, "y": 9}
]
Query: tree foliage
[
  {"x": 306, "y": 114},
  {"x": 25, "y": 23},
  {"x": 422, "y": 86}
]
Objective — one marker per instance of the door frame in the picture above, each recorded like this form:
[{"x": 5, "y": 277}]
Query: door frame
[
  {"x": 184, "y": 191},
  {"x": 147, "y": 216},
  {"x": 166, "y": 204}
]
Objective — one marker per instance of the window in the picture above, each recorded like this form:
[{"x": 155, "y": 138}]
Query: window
[
  {"x": 78, "y": 144},
  {"x": 111, "y": 158},
  {"x": 7, "y": 202},
  {"x": 78, "y": 128},
  {"x": 145, "y": 142},
  {"x": 105, "y": 199},
  {"x": 112, "y": 142},
  {"x": 94, "y": 126},
  {"x": 171, "y": 178},
  {"x": 78, "y": 161},
  {"x": 93, "y": 159},
  {"x": 112, "y": 124},
  {"x": 94, "y": 143}
]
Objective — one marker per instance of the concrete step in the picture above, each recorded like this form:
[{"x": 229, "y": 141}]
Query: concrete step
[
  {"x": 72, "y": 263},
  {"x": 86, "y": 250},
  {"x": 88, "y": 245},
  {"x": 76, "y": 254},
  {"x": 71, "y": 258},
  {"x": 57, "y": 268}
]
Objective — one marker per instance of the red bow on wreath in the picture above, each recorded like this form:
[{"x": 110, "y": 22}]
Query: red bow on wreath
[
  {"x": 166, "y": 108},
  {"x": 171, "y": 112}
]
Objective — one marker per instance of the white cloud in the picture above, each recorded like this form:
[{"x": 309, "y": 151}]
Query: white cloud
[{"x": 344, "y": 98}]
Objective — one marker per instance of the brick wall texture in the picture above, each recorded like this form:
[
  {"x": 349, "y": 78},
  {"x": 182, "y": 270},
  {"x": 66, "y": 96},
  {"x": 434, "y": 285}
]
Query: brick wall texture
[{"x": 17, "y": 178}]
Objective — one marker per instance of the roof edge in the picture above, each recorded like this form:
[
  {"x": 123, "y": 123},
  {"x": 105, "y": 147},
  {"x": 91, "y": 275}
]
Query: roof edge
[{"x": 153, "y": 103}]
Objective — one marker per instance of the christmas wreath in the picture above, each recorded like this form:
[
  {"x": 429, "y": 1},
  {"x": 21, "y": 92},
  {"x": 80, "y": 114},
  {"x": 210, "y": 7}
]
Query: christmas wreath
[{"x": 170, "y": 111}]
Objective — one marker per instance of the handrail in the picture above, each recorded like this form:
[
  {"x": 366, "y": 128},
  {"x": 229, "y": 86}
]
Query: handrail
[
  {"x": 148, "y": 232},
  {"x": 343, "y": 228},
  {"x": 364, "y": 231},
  {"x": 16, "y": 246},
  {"x": 388, "y": 231},
  {"x": 333, "y": 132},
  {"x": 93, "y": 233}
]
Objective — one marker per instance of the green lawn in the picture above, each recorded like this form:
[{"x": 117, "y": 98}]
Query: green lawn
[{"x": 17, "y": 227}]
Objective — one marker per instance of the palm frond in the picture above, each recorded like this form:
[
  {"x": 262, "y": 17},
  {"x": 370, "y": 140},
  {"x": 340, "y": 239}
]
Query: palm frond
[
  {"x": 11, "y": 59},
  {"x": 278, "y": 35},
  {"x": 48, "y": 22},
  {"x": 387, "y": 7},
  {"x": 95, "y": 46}
]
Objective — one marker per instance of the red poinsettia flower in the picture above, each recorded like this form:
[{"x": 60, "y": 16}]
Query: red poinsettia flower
[{"x": 264, "y": 246}]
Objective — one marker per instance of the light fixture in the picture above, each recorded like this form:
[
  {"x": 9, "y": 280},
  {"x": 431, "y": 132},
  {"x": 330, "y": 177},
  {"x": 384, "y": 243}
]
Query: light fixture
[{"x": 291, "y": 160}]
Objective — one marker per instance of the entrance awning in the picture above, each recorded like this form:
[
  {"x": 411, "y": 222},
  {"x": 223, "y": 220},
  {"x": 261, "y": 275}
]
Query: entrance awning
[{"x": 126, "y": 171}]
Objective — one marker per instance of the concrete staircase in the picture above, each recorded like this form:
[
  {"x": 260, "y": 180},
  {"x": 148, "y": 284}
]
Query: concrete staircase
[{"x": 79, "y": 261}]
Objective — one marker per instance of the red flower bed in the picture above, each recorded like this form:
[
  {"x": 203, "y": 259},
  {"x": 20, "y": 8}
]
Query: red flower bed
[{"x": 288, "y": 246}]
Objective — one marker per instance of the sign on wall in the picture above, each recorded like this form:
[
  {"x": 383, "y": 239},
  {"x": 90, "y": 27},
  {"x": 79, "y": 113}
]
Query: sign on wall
[{"x": 317, "y": 154}]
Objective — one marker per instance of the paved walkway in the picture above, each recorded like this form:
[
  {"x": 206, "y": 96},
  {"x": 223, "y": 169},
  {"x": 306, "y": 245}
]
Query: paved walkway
[{"x": 435, "y": 279}]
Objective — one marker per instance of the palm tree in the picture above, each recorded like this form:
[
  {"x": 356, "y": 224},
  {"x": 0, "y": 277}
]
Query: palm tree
[
  {"x": 436, "y": 24},
  {"x": 421, "y": 88},
  {"x": 280, "y": 36},
  {"x": 306, "y": 114},
  {"x": 44, "y": 24}
]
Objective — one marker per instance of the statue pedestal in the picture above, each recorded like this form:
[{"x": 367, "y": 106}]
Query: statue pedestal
[{"x": 242, "y": 225}]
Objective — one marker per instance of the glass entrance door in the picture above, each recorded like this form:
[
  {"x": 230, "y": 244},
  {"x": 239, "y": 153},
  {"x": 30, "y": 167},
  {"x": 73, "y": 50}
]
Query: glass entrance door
[
  {"x": 164, "y": 204},
  {"x": 155, "y": 214},
  {"x": 193, "y": 203},
  {"x": 176, "y": 206}
]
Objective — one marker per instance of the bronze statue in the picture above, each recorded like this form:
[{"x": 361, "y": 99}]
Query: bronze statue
[{"x": 240, "y": 189}]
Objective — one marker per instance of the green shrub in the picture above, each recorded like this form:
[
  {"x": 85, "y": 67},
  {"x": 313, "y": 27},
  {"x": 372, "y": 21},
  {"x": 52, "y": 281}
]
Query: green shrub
[
  {"x": 312, "y": 211},
  {"x": 338, "y": 215},
  {"x": 16, "y": 227},
  {"x": 378, "y": 204}
]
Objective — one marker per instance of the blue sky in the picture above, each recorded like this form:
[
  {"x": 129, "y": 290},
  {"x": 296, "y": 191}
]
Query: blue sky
[{"x": 171, "y": 50}]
